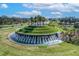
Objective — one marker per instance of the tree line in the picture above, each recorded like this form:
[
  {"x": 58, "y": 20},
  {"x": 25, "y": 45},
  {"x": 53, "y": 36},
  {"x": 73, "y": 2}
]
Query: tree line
[
  {"x": 11, "y": 20},
  {"x": 15, "y": 20}
]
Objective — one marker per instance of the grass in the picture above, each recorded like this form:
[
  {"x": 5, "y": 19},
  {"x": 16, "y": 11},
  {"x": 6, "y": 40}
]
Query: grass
[
  {"x": 39, "y": 30},
  {"x": 8, "y": 48}
]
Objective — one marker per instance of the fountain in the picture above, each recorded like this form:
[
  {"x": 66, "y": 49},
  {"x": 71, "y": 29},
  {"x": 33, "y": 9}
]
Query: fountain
[{"x": 37, "y": 33}]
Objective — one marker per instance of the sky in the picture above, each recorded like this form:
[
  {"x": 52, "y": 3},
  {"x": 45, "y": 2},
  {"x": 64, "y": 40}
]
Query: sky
[{"x": 52, "y": 10}]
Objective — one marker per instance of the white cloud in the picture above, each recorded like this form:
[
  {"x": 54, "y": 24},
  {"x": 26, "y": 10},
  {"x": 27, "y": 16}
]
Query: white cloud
[
  {"x": 76, "y": 10},
  {"x": 14, "y": 15},
  {"x": 57, "y": 16},
  {"x": 56, "y": 13},
  {"x": 27, "y": 5},
  {"x": 27, "y": 13},
  {"x": 75, "y": 4},
  {"x": 61, "y": 7},
  {"x": 36, "y": 6},
  {"x": 3, "y": 6}
]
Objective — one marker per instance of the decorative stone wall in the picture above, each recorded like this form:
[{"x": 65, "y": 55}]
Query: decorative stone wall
[{"x": 36, "y": 39}]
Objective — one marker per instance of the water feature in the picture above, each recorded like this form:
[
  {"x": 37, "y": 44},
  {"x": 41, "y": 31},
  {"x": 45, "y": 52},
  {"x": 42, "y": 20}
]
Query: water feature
[{"x": 36, "y": 39}]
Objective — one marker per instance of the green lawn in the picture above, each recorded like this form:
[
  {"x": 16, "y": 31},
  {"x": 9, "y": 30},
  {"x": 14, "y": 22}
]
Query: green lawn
[
  {"x": 10, "y": 48},
  {"x": 39, "y": 30}
]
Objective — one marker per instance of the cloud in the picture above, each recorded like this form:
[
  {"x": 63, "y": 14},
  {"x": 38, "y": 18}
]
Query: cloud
[
  {"x": 3, "y": 6},
  {"x": 14, "y": 15},
  {"x": 27, "y": 13},
  {"x": 65, "y": 7},
  {"x": 56, "y": 13},
  {"x": 57, "y": 16},
  {"x": 36, "y": 6},
  {"x": 75, "y": 4},
  {"x": 61, "y": 7}
]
